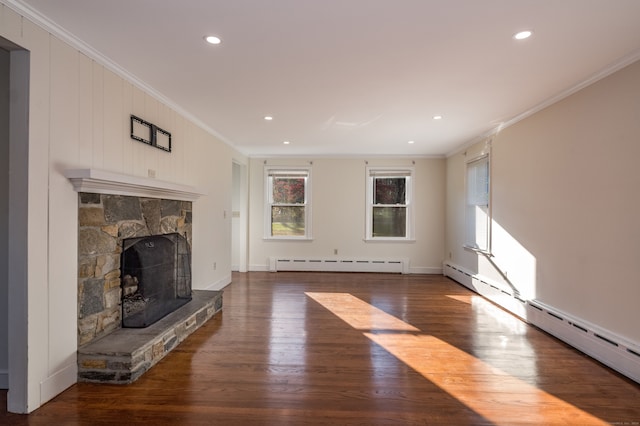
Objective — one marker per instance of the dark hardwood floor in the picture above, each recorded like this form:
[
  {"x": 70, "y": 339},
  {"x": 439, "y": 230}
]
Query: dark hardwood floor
[{"x": 367, "y": 349}]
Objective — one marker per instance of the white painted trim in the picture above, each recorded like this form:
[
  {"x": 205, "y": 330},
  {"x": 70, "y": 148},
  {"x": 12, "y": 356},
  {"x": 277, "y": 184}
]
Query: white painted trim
[
  {"x": 219, "y": 284},
  {"x": 285, "y": 263},
  {"x": 105, "y": 182},
  {"x": 268, "y": 202},
  {"x": 594, "y": 78},
  {"x": 259, "y": 268},
  {"x": 609, "y": 348},
  {"x": 348, "y": 156},
  {"x": 427, "y": 270},
  {"x": 58, "y": 382},
  {"x": 51, "y": 27},
  {"x": 603, "y": 345},
  {"x": 409, "y": 205}
]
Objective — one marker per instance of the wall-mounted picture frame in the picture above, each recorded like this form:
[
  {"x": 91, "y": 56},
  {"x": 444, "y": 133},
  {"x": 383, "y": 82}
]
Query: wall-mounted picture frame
[
  {"x": 150, "y": 134},
  {"x": 162, "y": 139},
  {"x": 141, "y": 130}
]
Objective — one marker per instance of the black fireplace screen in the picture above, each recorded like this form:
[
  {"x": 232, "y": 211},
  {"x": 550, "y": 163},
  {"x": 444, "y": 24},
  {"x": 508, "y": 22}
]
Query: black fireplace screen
[{"x": 156, "y": 278}]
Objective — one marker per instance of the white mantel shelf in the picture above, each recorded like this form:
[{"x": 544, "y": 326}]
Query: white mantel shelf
[{"x": 104, "y": 182}]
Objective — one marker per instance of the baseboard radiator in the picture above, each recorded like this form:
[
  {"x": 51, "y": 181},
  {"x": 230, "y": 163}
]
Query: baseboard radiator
[
  {"x": 397, "y": 266},
  {"x": 602, "y": 345}
]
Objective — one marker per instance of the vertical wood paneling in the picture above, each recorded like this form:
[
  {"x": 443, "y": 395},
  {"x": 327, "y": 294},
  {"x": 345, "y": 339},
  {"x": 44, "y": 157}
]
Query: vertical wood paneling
[
  {"x": 98, "y": 116},
  {"x": 113, "y": 122},
  {"x": 37, "y": 40},
  {"x": 138, "y": 148},
  {"x": 10, "y": 24},
  {"x": 127, "y": 142},
  {"x": 85, "y": 111},
  {"x": 151, "y": 154},
  {"x": 181, "y": 144},
  {"x": 165, "y": 159},
  {"x": 63, "y": 223}
]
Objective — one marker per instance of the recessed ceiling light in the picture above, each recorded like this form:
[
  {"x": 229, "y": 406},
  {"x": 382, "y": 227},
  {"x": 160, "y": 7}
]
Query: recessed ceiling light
[
  {"x": 268, "y": 117},
  {"x": 286, "y": 142},
  {"x": 523, "y": 35},
  {"x": 410, "y": 142},
  {"x": 212, "y": 40},
  {"x": 437, "y": 117}
]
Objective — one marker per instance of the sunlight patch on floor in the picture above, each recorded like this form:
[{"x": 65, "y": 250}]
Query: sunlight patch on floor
[
  {"x": 496, "y": 395},
  {"x": 358, "y": 313}
]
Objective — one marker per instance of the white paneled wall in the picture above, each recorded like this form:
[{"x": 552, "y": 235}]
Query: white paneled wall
[{"x": 79, "y": 118}]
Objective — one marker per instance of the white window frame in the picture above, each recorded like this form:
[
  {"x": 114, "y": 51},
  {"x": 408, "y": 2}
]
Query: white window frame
[
  {"x": 371, "y": 174},
  {"x": 478, "y": 204},
  {"x": 270, "y": 171}
]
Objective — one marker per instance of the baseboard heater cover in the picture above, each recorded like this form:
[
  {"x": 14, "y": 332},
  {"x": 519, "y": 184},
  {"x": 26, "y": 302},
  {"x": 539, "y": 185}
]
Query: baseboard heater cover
[
  {"x": 398, "y": 266},
  {"x": 602, "y": 345}
]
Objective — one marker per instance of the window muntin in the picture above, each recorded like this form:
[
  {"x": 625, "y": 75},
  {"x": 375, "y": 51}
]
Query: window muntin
[
  {"x": 288, "y": 203},
  {"x": 478, "y": 213},
  {"x": 388, "y": 201}
]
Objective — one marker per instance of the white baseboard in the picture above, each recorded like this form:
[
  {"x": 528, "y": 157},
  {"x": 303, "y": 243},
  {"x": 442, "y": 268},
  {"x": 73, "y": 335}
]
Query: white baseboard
[
  {"x": 425, "y": 270},
  {"x": 219, "y": 284},
  {"x": 258, "y": 268},
  {"x": 4, "y": 379},
  {"x": 411, "y": 269},
  {"x": 336, "y": 264},
  {"x": 607, "y": 347},
  {"x": 58, "y": 382}
]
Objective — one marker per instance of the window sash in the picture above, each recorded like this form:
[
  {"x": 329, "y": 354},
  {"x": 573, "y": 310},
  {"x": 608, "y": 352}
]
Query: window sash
[
  {"x": 477, "y": 212},
  {"x": 287, "y": 216},
  {"x": 382, "y": 216}
]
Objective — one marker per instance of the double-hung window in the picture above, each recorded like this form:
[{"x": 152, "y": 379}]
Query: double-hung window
[
  {"x": 389, "y": 204},
  {"x": 288, "y": 203},
  {"x": 478, "y": 213}
]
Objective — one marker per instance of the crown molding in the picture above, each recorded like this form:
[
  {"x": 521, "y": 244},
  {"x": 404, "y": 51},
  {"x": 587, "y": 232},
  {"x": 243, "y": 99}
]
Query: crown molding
[
  {"x": 592, "y": 79},
  {"x": 56, "y": 30}
]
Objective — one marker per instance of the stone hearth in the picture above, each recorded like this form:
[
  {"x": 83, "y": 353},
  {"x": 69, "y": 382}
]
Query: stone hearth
[{"x": 125, "y": 354}]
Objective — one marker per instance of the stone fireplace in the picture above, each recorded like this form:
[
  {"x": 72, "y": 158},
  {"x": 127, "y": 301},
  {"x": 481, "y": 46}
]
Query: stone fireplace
[
  {"x": 116, "y": 212},
  {"x": 106, "y": 220}
]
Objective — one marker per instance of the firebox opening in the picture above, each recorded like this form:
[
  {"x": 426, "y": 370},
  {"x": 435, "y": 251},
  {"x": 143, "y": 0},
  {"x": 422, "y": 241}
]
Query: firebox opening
[{"x": 155, "y": 278}]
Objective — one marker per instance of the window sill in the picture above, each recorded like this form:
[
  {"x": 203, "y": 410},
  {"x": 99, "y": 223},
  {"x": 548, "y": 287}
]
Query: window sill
[
  {"x": 389, "y": 240},
  {"x": 302, "y": 239},
  {"x": 478, "y": 250}
]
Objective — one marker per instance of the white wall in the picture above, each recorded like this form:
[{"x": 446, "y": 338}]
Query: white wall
[
  {"x": 338, "y": 191},
  {"x": 565, "y": 205},
  {"x": 4, "y": 216},
  {"x": 79, "y": 118}
]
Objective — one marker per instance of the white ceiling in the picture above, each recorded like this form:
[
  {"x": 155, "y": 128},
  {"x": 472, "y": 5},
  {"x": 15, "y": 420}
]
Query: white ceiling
[{"x": 355, "y": 77}]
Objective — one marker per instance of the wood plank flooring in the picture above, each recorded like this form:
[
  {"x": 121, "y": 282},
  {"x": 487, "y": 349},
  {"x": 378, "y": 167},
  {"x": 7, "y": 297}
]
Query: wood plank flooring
[{"x": 361, "y": 349}]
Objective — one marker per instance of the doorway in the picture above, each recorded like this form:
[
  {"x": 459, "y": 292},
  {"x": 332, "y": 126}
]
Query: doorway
[
  {"x": 14, "y": 191},
  {"x": 4, "y": 219},
  {"x": 239, "y": 224}
]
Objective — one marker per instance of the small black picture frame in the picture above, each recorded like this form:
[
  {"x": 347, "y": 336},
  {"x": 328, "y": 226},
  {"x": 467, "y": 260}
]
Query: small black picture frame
[
  {"x": 141, "y": 130},
  {"x": 150, "y": 134},
  {"x": 162, "y": 139}
]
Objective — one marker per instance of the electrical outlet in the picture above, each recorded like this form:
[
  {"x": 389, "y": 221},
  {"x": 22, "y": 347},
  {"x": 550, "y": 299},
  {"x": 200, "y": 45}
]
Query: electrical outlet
[
  {"x": 214, "y": 266},
  {"x": 151, "y": 173},
  {"x": 335, "y": 251}
]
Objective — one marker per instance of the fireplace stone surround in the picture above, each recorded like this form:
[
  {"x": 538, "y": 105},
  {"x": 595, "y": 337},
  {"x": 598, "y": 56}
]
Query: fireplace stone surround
[{"x": 112, "y": 207}]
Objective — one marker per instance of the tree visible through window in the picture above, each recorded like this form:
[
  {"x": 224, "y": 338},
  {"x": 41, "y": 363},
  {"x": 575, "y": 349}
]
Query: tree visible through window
[
  {"x": 288, "y": 203},
  {"x": 389, "y": 211},
  {"x": 390, "y": 207}
]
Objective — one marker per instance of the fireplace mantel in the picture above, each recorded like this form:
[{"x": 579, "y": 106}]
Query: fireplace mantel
[{"x": 105, "y": 182}]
